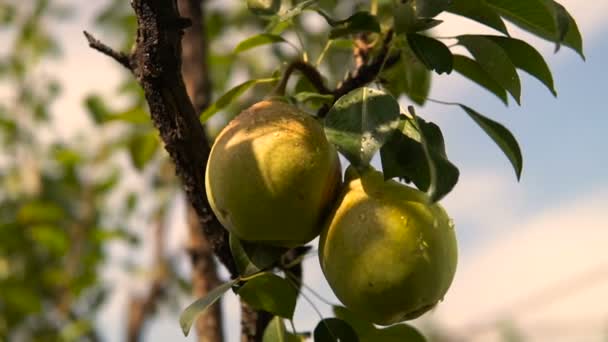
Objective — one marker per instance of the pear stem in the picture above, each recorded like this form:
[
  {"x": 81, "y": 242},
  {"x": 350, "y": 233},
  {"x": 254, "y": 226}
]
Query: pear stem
[{"x": 309, "y": 71}]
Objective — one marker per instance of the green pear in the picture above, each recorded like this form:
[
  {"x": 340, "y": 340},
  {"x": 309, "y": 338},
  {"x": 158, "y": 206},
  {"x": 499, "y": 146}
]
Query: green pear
[
  {"x": 272, "y": 176},
  {"x": 387, "y": 253}
]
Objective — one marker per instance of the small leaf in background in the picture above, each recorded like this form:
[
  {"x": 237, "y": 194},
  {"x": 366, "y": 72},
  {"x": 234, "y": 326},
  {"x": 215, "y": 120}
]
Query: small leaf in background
[
  {"x": 107, "y": 184},
  {"x": 408, "y": 76},
  {"x": 357, "y": 23},
  {"x": 334, "y": 330},
  {"x": 66, "y": 156},
  {"x": 271, "y": 293},
  {"x": 276, "y": 332},
  {"x": 495, "y": 61},
  {"x": 258, "y": 40},
  {"x": 264, "y": 7},
  {"x": 53, "y": 238},
  {"x": 501, "y": 136},
  {"x": 232, "y": 95},
  {"x": 282, "y": 21},
  {"x": 405, "y": 156},
  {"x": 314, "y": 98},
  {"x": 137, "y": 115},
  {"x": 360, "y": 122},
  {"x": 40, "y": 212},
  {"x": 470, "y": 69},
  {"x": 8, "y": 13},
  {"x": 199, "y": 306},
  {"x": 97, "y": 109},
  {"x": 479, "y": 11},
  {"x": 430, "y": 8},
  {"x": 142, "y": 148},
  {"x": 526, "y": 58},
  {"x": 251, "y": 257},
  {"x": 433, "y": 53}
]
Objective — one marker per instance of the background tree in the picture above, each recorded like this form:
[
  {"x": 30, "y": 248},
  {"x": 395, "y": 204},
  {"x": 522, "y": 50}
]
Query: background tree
[{"x": 386, "y": 45}]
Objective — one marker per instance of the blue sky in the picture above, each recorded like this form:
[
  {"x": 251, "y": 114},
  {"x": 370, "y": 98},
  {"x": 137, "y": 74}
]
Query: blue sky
[{"x": 515, "y": 238}]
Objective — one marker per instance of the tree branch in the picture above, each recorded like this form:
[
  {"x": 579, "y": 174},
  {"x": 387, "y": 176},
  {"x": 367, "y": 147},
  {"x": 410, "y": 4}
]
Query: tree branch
[{"x": 156, "y": 64}]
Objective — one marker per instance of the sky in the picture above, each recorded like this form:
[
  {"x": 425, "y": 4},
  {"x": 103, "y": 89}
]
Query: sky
[{"x": 531, "y": 252}]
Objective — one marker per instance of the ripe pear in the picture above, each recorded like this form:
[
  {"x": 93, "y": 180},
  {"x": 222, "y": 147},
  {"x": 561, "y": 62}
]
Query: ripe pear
[
  {"x": 387, "y": 253},
  {"x": 272, "y": 176}
]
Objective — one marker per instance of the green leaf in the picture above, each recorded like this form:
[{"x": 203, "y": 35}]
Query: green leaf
[
  {"x": 526, "y": 58},
  {"x": 369, "y": 333},
  {"x": 276, "y": 332},
  {"x": 470, "y": 69},
  {"x": 334, "y": 330},
  {"x": 362, "y": 327},
  {"x": 430, "y": 8},
  {"x": 479, "y": 11},
  {"x": 360, "y": 122},
  {"x": 405, "y": 20},
  {"x": 142, "y": 148},
  {"x": 271, "y": 293},
  {"x": 408, "y": 76},
  {"x": 251, "y": 258},
  {"x": 264, "y": 7},
  {"x": 398, "y": 333},
  {"x": 356, "y": 23},
  {"x": 404, "y": 17},
  {"x": 232, "y": 95},
  {"x": 258, "y": 40},
  {"x": 417, "y": 154},
  {"x": 529, "y": 14},
  {"x": 545, "y": 18},
  {"x": 495, "y": 61},
  {"x": 568, "y": 32},
  {"x": 199, "y": 306},
  {"x": 501, "y": 136},
  {"x": 433, "y": 53}
]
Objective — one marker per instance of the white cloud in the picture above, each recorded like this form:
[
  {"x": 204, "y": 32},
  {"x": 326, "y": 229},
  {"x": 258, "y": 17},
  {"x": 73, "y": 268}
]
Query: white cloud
[{"x": 551, "y": 271}]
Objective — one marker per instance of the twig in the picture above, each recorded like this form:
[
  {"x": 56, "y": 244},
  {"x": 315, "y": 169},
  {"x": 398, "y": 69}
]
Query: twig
[
  {"x": 96, "y": 44},
  {"x": 364, "y": 73}
]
